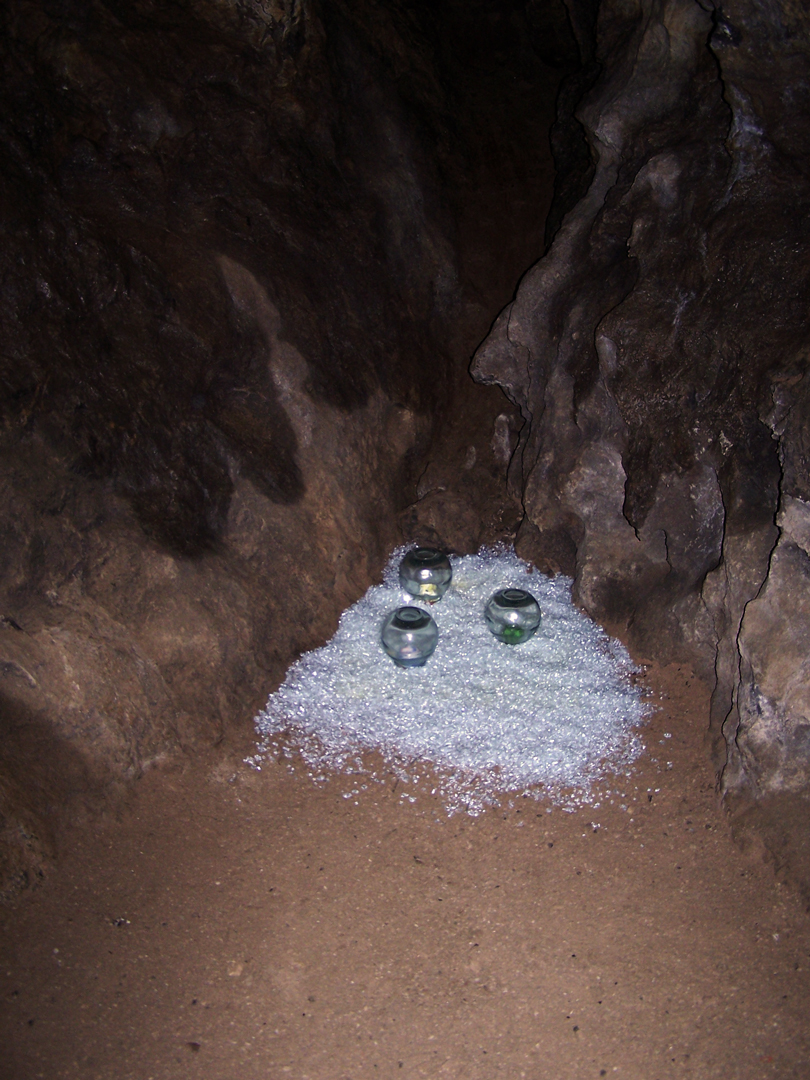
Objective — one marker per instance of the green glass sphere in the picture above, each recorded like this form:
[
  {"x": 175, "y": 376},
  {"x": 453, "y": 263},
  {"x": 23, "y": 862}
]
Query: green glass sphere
[{"x": 512, "y": 615}]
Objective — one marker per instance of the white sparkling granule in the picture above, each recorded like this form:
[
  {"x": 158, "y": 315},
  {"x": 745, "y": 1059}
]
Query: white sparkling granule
[{"x": 546, "y": 718}]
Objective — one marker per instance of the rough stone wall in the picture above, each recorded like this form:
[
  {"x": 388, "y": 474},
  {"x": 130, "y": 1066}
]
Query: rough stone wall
[
  {"x": 225, "y": 280},
  {"x": 235, "y": 280},
  {"x": 658, "y": 354}
]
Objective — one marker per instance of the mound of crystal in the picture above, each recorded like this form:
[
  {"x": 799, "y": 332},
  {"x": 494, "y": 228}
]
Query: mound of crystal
[
  {"x": 512, "y": 615},
  {"x": 409, "y": 636},
  {"x": 426, "y": 573}
]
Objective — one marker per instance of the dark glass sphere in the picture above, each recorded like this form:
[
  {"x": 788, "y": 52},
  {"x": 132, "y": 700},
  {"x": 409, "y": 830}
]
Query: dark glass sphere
[
  {"x": 409, "y": 636},
  {"x": 512, "y": 615},
  {"x": 426, "y": 573}
]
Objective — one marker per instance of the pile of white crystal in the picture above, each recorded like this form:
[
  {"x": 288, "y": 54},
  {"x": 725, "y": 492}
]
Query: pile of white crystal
[{"x": 546, "y": 717}]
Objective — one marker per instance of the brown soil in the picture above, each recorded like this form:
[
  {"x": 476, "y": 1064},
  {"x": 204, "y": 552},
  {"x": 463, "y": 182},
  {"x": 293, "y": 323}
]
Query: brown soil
[{"x": 235, "y": 925}]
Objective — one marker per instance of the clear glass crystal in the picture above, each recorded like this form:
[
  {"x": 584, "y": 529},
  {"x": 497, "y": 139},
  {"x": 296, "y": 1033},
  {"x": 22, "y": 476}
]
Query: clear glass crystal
[
  {"x": 409, "y": 636},
  {"x": 512, "y": 615},
  {"x": 426, "y": 573}
]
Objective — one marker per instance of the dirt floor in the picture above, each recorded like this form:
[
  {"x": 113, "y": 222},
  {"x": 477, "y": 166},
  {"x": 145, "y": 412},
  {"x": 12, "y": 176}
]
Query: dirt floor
[{"x": 233, "y": 925}]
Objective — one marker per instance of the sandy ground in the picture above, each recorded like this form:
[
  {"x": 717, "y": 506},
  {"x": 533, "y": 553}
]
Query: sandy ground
[{"x": 233, "y": 925}]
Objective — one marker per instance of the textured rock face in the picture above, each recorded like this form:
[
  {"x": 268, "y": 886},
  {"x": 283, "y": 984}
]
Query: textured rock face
[
  {"x": 210, "y": 385},
  {"x": 658, "y": 355},
  {"x": 241, "y": 281},
  {"x": 148, "y": 151}
]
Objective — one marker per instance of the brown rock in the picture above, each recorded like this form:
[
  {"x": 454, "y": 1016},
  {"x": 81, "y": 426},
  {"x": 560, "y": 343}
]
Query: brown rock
[
  {"x": 246, "y": 257},
  {"x": 658, "y": 350}
]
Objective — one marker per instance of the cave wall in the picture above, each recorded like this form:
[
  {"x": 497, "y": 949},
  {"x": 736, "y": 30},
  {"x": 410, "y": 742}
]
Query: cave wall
[
  {"x": 658, "y": 354},
  {"x": 241, "y": 281},
  {"x": 225, "y": 274}
]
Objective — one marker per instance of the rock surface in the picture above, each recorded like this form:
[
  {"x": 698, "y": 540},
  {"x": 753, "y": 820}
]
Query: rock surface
[
  {"x": 242, "y": 277},
  {"x": 658, "y": 354}
]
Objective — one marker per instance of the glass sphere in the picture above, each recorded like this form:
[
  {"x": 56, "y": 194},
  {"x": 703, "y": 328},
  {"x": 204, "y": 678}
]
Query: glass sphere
[
  {"x": 512, "y": 615},
  {"x": 426, "y": 573},
  {"x": 409, "y": 636}
]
